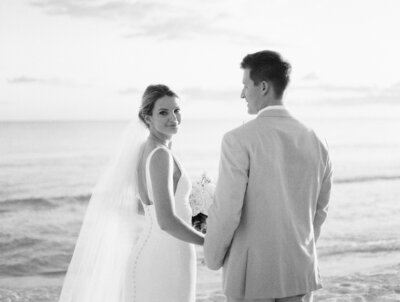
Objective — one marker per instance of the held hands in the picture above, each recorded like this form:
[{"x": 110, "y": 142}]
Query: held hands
[{"x": 199, "y": 222}]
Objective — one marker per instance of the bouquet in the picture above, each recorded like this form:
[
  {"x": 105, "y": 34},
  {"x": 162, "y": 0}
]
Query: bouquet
[{"x": 200, "y": 199}]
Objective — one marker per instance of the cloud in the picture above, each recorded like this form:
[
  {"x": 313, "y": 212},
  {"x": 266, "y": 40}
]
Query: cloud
[
  {"x": 317, "y": 92},
  {"x": 310, "y": 77},
  {"x": 311, "y": 82},
  {"x": 321, "y": 87},
  {"x": 193, "y": 93},
  {"x": 98, "y": 9},
  {"x": 391, "y": 93},
  {"x": 21, "y": 80},
  {"x": 160, "y": 19},
  {"x": 212, "y": 94},
  {"x": 394, "y": 88},
  {"x": 175, "y": 27},
  {"x": 130, "y": 91}
]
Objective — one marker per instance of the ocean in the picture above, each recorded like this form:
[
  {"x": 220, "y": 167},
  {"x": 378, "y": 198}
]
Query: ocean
[{"x": 48, "y": 169}]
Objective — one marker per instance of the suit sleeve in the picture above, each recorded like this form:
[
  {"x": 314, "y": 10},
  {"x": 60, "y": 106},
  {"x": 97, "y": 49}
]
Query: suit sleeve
[
  {"x": 225, "y": 213},
  {"x": 323, "y": 199}
]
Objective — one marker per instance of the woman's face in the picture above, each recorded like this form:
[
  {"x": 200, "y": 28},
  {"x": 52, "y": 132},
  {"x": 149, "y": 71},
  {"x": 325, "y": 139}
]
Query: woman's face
[{"x": 166, "y": 117}]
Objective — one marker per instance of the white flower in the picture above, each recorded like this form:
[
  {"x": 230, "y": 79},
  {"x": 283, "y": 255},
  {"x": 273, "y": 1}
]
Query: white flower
[{"x": 202, "y": 195}]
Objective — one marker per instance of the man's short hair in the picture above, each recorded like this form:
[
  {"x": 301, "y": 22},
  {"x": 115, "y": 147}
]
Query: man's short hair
[{"x": 268, "y": 66}]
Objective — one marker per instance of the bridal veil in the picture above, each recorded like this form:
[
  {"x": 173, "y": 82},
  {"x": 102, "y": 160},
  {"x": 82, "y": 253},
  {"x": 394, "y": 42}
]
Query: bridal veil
[{"x": 99, "y": 266}]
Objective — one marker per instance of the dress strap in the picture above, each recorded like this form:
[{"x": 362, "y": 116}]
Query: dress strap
[{"x": 148, "y": 178}]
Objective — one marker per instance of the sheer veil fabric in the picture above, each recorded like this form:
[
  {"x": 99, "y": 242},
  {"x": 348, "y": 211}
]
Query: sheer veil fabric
[{"x": 98, "y": 269}]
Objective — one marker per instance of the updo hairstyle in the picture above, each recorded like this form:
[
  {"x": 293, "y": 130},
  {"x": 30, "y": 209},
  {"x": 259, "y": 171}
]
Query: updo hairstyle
[{"x": 150, "y": 97}]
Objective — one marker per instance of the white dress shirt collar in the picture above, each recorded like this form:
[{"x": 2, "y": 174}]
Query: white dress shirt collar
[{"x": 271, "y": 107}]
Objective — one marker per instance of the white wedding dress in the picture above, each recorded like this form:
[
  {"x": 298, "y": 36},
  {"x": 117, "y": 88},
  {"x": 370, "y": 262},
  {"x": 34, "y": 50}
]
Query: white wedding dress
[
  {"x": 163, "y": 268},
  {"x": 116, "y": 259}
]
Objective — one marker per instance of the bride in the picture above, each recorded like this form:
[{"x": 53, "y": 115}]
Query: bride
[{"x": 119, "y": 259}]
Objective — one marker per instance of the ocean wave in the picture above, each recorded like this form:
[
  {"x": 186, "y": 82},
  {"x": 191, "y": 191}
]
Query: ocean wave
[
  {"x": 12, "y": 244},
  {"x": 45, "y": 203},
  {"x": 53, "y": 273},
  {"x": 32, "y": 267},
  {"x": 369, "y": 178},
  {"x": 33, "y": 254},
  {"x": 38, "y": 204},
  {"x": 373, "y": 247}
]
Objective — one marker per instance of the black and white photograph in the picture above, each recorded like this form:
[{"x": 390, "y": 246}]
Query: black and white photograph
[{"x": 199, "y": 151}]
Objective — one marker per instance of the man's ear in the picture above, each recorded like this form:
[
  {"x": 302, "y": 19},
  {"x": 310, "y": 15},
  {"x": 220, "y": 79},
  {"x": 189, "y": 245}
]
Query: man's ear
[{"x": 264, "y": 87}]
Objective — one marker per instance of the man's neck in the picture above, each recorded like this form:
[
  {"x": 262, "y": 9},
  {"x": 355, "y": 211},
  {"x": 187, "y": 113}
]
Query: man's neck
[
  {"x": 275, "y": 102},
  {"x": 272, "y": 103}
]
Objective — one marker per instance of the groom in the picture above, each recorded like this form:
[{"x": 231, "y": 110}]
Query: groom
[{"x": 272, "y": 195}]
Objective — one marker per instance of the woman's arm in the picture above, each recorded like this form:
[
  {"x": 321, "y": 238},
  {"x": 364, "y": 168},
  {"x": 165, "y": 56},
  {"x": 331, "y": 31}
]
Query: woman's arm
[{"x": 161, "y": 175}]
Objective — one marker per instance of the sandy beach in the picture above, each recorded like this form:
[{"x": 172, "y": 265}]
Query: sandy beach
[
  {"x": 356, "y": 277},
  {"x": 371, "y": 279}
]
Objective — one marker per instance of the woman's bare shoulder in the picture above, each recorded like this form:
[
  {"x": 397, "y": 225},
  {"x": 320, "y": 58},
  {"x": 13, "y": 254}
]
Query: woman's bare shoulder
[
  {"x": 160, "y": 157},
  {"x": 154, "y": 155}
]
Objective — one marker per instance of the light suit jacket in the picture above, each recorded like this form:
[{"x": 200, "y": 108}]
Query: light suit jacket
[{"x": 270, "y": 202}]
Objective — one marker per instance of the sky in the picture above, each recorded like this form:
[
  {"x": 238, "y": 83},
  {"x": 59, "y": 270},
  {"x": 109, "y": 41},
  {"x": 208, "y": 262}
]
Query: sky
[{"x": 92, "y": 59}]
